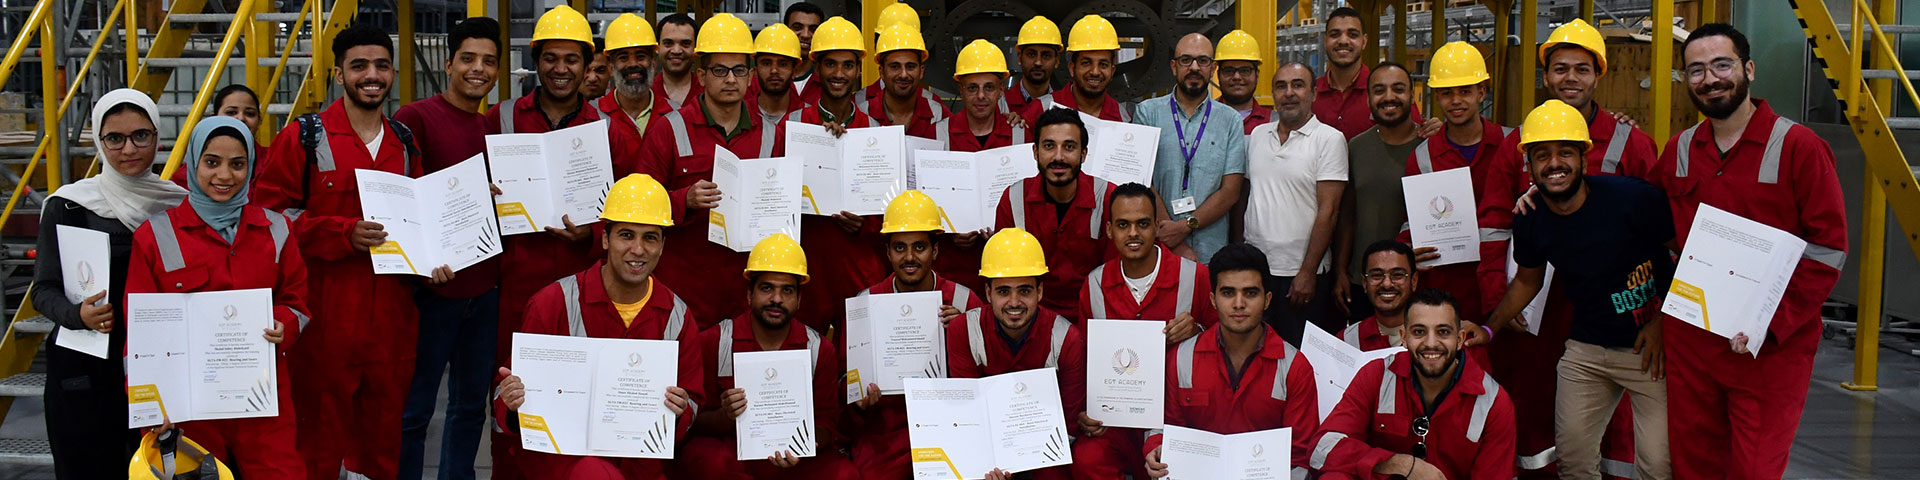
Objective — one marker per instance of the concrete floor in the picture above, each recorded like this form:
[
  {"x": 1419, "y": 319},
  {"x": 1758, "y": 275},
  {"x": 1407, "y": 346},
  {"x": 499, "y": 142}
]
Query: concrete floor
[{"x": 1843, "y": 434}]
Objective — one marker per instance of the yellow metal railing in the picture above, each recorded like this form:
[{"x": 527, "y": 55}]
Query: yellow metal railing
[
  {"x": 34, "y": 21},
  {"x": 208, "y": 86},
  {"x": 273, "y": 81},
  {"x": 46, "y": 147}
]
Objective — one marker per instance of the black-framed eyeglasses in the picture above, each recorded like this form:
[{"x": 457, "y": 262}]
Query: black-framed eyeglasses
[
  {"x": 721, "y": 71},
  {"x": 141, "y": 138},
  {"x": 1239, "y": 71},
  {"x": 1396, "y": 276},
  {"x": 1193, "y": 61},
  {"x": 1420, "y": 429}
]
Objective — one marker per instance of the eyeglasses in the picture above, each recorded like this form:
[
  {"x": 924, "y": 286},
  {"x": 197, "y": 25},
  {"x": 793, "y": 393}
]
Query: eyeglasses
[
  {"x": 1396, "y": 276},
  {"x": 1239, "y": 71},
  {"x": 142, "y": 138},
  {"x": 1722, "y": 67},
  {"x": 1420, "y": 430},
  {"x": 721, "y": 71},
  {"x": 1192, "y": 61}
]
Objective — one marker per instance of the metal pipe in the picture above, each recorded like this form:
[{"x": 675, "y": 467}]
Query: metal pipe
[
  {"x": 34, "y": 21},
  {"x": 1662, "y": 72},
  {"x": 66, "y": 101},
  {"x": 206, "y": 89},
  {"x": 273, "y": 81}
]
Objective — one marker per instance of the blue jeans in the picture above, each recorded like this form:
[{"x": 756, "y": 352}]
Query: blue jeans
[{"x": 460, "y": 332}]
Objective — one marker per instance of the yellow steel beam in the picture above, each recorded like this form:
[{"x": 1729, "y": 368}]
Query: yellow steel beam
[
  {"x": 132, "y": 37},
  {"x": 1586, "y": 10},
  {"x": 50, "y": 77},
  {"x": 1873, "y": 241},
  {"x": 503, "y": 89},
  {"x": 1527, "y": 55},
  {"x": 1502, "y": 65},
  {"x": 206, "y": 88},
  {"x": 1256, "y": 17},
  {"x": 267, "y": 130},
  {"x": 1370, "y": 25},
  {"x": 259, "y": 45},
  {"x": 870, "y": 17},
  {"x": 168, "y": 42},
  {"x": 1661, "y": 72},
  {"x": 1399, "y": 31},
  {"x": 35, "y": 20},
  {"x": 403, "y": 56}
]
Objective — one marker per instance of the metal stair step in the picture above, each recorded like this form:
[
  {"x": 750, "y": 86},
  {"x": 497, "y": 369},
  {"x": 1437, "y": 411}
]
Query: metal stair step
[
  {"x": 228, "y": 17},
  {"x": 37, "y": 324},
  {"x": 1904, "y": 122},
  {"x": 1886, "y": 74},
  {"x": 1888, "y": 29},
  {"x": 181, "y": 109},
  {"x": 23, "y": 385},
  {"x": 25, "y": 451},
  {"x": 234, "y": 61}
]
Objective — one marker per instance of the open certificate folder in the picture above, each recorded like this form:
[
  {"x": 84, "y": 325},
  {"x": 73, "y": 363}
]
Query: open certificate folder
[
  {"x": 960, "y": 428},
  {"x": 968, "y": 186},
  {"x": 757, "y": 199},
  {"x": 779, "y": 416},
  {"x": 1120, "y": 152},
  {"x": 84, "y": 270},
  {"x": 444, "y": 218},
  {"x": 1731, "y": 275},
  {"x": 544, "y": 176},
  {"x": 858, "y": 172},
  {"x": 1202, "y": 455},
  {"x": 200, "y": 356},
  {"x": 603, "y": 397},
  {"x": 1334, "y": 365},
  {"x": 892, "y": 337}
]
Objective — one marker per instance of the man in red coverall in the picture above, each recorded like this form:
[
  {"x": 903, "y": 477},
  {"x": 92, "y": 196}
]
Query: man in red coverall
[
  {"x": 980, "y": 75},
  {"x": 1240, "y": 377},
  {"x": 354, "y": 364},
  {"x": 1388, "y": 278},
  {"x": 1733, "y": 414},
  {"x": 1429, "y": 413},
  {"x": 1093, "y": 58},
  {"x": 678, "y": 84},
  {"x": 630, "y": 101},
  {"x": 1064, "y": 206},
  {"x": 902, "y": 55},
  {"x": 1459, "y": 82},
  {"x": 615, "y": 298}
]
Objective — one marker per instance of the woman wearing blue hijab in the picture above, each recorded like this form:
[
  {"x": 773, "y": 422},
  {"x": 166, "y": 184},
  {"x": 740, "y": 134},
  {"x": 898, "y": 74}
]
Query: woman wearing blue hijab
[{"x": 217, "y": 242}]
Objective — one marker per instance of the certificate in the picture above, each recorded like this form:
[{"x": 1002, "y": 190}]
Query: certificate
[
  {"x": 756, "y": 201},
  {"x": 859, "y": 172},
  {"x": 892, "y": 337},
  {"x": 84, "y": 270},
  {"x": 960, "y": 428},
  {"x": 1440, "y": 214},
  {"x": 546, "y": 176},
  {"x": 1536, "y": 308},
  {"x": 1334, "y": 365},
  {"x": 200, "y": 356},
  {"x": 1735, "y": 268},
  {"x": 915, "y": 147},
  {"x": 1199, "y": 454},
  {"x": 1127, "y": 372},
  {"x": 1120, "y": 152},
  {"x": 779, "y": 416},
  {"x": 968, "y": 186},
  {"x": 443, "y": 218},
  {"x": 596, "y": 396}
]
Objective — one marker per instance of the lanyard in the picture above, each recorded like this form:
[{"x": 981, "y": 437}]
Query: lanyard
[{"x": 1187, "y": 153}]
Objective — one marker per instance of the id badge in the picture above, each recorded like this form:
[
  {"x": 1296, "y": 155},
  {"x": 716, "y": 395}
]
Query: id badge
[{"x": 1183, "y": 206}]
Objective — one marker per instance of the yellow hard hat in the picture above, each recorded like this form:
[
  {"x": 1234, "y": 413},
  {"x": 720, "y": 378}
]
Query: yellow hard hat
[
  {"x": 896, "y": 15},
  {"x": 1013, "y": 253},
  {"x": 1554, "y": 121},
  {"x": 148, "y": 461},
  {"x": 1578, "y": 32},
  {"x": 629, "y": 31},
  {"x": 638, "y": 198},
  {"x": 1091, "y": 34},
  {"x": 837, "y": 34},
  {"x": 563, "y": 23},
  {"x": 724, "y": 33},
  {"x": 1039, "y": 31},
  {"x": 777, "y": 39},
  {"x": 1456, "y": 64},
  {"x": 981, "y": 56},
  {"x": 777, "y": 253},
  {"x": 912, "y": 211},
  {"x": 1237, "y": 45},
  {"x": 900, "y": 37}
]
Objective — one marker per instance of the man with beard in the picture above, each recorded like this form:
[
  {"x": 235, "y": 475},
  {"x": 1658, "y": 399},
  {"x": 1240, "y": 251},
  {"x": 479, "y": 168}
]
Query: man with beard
[
  {"x": 1607, "y": 238},
  {"x": 803, "y": 19},
  {"x": 1389, "y": 277},
  {"x": 877, "y": 426},
  {"x": 1066, "y": 207},
  {"x": 1240, "y": 377},
  {"x": 676, "y": 82},
  {"x": 598, "y": 73},
  {"x": 617, "y": 297},
  {"x": 1733, "y": 414},
  {"x": 458, "y": 318},
  {"x": 1094, "y": 48},
  {"x": 1016, "y": 332},
  {"x": 1146, "y": 282},
  {"x": 1341, "y": 96},
  {"x": 902, "y": 55},
  {"x": 776, "y": 50},
  {"x": 1459, "y": 82},
  {"x": 1202, "y": 160},
  {"x": 630, "y": 48},
  {"x": 1297, "y": 172},
  {"x": 979, "y": 76},
  {"x": 775, "y": 270},
  {"x": 835, "y": 92},
  {"x": 1428, "y": 413},
  {"x": 1038, "y": 51},
  {"x": 1239, "y": 58},
  {"x": 1372, "y": 207}
]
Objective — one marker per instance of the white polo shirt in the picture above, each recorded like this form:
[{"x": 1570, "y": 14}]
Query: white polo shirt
[{"x": 1283, "y": 181}]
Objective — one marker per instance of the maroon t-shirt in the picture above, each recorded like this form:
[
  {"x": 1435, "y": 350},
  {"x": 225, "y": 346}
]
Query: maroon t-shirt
[{"x": 447, "y": 136}]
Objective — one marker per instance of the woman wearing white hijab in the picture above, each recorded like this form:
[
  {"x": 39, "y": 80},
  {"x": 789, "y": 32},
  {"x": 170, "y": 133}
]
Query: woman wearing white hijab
[{"x": 86, "y": 397}]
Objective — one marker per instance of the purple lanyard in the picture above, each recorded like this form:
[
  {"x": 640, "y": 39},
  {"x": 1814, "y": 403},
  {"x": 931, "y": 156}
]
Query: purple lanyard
[{"x": 1187, "y": 153}]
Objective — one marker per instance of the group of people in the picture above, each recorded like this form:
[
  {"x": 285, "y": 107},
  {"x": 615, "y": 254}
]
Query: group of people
[{"x": 1260, "y": 223}]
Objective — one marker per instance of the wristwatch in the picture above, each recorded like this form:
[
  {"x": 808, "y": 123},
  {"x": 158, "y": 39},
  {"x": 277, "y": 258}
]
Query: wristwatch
[{"x": 1193, "y": 223}]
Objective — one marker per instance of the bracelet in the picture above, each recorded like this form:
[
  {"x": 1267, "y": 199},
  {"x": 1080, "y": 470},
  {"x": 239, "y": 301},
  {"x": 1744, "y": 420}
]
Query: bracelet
[
  {"x": 1411, "y": 462},
  {"x": 1489, "y": 331}
]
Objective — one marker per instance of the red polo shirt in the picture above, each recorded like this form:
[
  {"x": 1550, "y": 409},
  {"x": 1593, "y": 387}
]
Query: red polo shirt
[{"x": 1345, "y": 110}]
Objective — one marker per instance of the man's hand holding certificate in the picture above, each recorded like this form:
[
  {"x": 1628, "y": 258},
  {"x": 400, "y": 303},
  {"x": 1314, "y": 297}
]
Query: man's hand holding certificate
[
  {"x": 596, "y": 396},
  {"x": 444, "y": 218},
  {"x": 1731, "y": 275},
  {"x": 1441, "y": 214},
  {"x": 892, "y": 337},
  {"x": 779, "y": 416},
  {"x": 968, "y": 186},
  {"x": 84, "y": 268},
  {"x": 758, "y": 201},
  {"x": 1120, "y": 152},
  {"x": 546, "y": 176},
  {"x": 200, "y": 356},
  {"x": 1126, "y": 373},
  {"x": 858, "y": 172},
  {"x": 965, "y": 427}
]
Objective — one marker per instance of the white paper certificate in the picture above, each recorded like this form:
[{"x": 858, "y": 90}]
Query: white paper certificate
[
  {"x": 779, "y": 416},
  {"x": 1201, "y": 455},
  {"x": 544, "y": 176},
  {"x": 858, "y": 172},
  {"x": 968, "y": 186},
  {"x": 85, "y": 266},
  {"x": 1334, "y": 365},
  {"x": 962, "y": 428},
  {"x": 1120, "y": 152},
  {"x": 1536, "y": 308},
  {"x": 915, "y": 147},
  {"x": 1732, "y": 274},
  {"x": 891, "y": 337},
  {"x": 596, "y": 396},
  {"x": 200, "y": 356},
  {"x": 757, "y": 200},
  {"x": 1127, "y": 372},
  {"x": 444, "y": 218},
  {"x": 1440, "y": 214}
]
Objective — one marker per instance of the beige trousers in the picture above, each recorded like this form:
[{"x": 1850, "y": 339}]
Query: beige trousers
[{"x": 1591, "y": 379}]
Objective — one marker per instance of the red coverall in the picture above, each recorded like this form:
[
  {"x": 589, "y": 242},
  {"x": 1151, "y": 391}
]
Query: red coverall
[
  {"x": 810, "y": 97},
  {"x": 713, "y": 454},
  {"x": 1366, "y": 335},
  {"x": 1051, "y": 342},
  {"x": 879, "y": 434},
  {"x": 609, "y": 107},
  {"x": 1063, "y": 97},
  {"x": 928, "y": 112},
  {"x": 1260, "y": 116},
  {"x": 1072, "y": 243},
  {"x": 709, "y": 273},
  {"x": 1470, "y": 435},
  {"x": 206, "y": 262},
  {"x": 1459, "y": 279},
  {"x": 1732, "y": 415},
  {"x": 794, "y": 103},
  {"x": 693, "y": 93},
  {"x": 963, "y": 264},
  {"x": 663, "y": 318},
  {"x": 841, "y": 263},
  {"x": 1015, "y": 99},
  {"x": 356, "y": 363},
  {"x": 1276, "y": 390}
]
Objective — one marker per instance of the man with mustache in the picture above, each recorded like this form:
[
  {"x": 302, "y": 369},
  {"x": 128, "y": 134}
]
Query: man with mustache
[
  {"x": 1038, "y": 51},
  {"x": 835, "y": 91},
  {"x": 902, "y": 55},
  {"x": 1202, "y": 161},
  {"x": 979, "y": 75},
  {"x": 1372, "y": 208},
  {"x": 1296, "y": 172},
  {"x": 598, "y": 72},
  {"x": 1459, "y": 82},
  {"x": 1146, "y": 282},
  {"x": 1093, "y": 49},
  {"x": 1239, "y": 59},
  {"x": 803, "y": 19},
  {"x": 1428, "y": 413},
  {"x": 355, "y": 365},
  {"x": 617, "y": 297},
  {"x": 677, "y": 81},
  {"x": 1066, "y": 207},
  {"x": 630, "y": 49},
  {"x": 1015, "y": 332},
  {"x": 1341, "y": 97},
  {"x": 1389, "y": 278},
  {"x": 775, "y": 270},
  {"x": 1241, "y": 377},
  {"x": 1608, "y": 239},
  {"x": 1733, "y": 414},
  {"x": 776, "y": 49}
]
